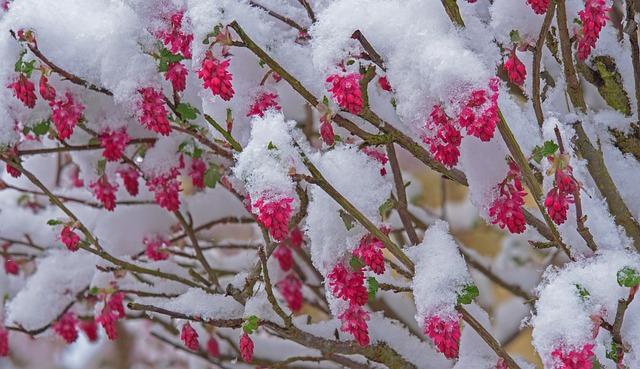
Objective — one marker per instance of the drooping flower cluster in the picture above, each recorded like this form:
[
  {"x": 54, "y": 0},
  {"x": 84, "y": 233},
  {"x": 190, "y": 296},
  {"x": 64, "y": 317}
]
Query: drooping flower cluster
[
  {"x": 65, "y": 115},
  {"x": 348, "y": 284},
  {"x": 153, "y": 113},
  {"x": 444, "y": 145},
  {"x": 274, "y": 214},
  {"x": 105, "y": 192},
  {"x": 378, "y": 156},
  {"x": 177, "y": 74},
  {"x": 354, "y": 321},
  {"x": 506, "y": 210},
  {"x": 112, "y": 311},
  {"x": 262, "y": 103},
  {"x": 166, "y": 189},
  {"x": 11, "y": 266},
  {"x": 66, "y": 327},
  {"x": 516, "y": 71},
  {"x": 69, "y": 238},
  {"x": 581, "y": 358},
  {"x": 213, "y": 348},
  {"x": 284, "y": 256},
  {"x": 594, "y": 18},
  {"x": 326, "y": 131},
  {"x": 4, "y": 341},
  {"x": 563, "y": 191},
  {"x": 479, "y": 115},
  {"x": 156, "y": 248},
  {"x": 24, "y": 90},
  {"x": 445, "y": 333},
  {"x": 246, "y": 348},
  {"x": 370, "y": 252},
  {"x": 90, "y": 329},
  {"x": 216, "y": 77},
  {"x": 175, "y": 38},
  {"x": 345, "y": 90},
  {"x": 12, "y": 154},
  {"x": 384, "y": 84},
  {"x": 197, "y": 170},
  {"x": 290, "y": 288},
  {"x": 130, "y": 177},
  {"x": 47, "y": 91},
  {"x": 189, "y": 336},
  {"x": 539, "y": 6},
  {"x": 114, "y": 143}
]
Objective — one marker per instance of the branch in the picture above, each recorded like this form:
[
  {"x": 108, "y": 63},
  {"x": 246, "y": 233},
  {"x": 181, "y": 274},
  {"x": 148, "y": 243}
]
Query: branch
[
  {"x": 196, "y": 246},
  {"x": 402, "y": 195},
  {"x": 453, "y": 12},
  {"x": 537, "y": 58},
  {"x": 279, "y": 17}
]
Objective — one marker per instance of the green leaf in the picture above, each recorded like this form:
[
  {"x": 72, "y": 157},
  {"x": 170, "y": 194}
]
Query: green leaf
[
  {"x": 250, "y": 324},
  {"x": 167, "y": 57},
  {"x": 102, "y": 164},
  {"x": 271, "y": 146},
  {"x": 41, "y": 128},
  {"x": 372, "y": 287},
  {"x": 386, "y": 207},
  {"x": 325, "y": 100},
  {"x": 612, "y": 352},
  {"x": 187, "y": 111},
  {"x": 468, "y": 293},
  {"x": 18, "y": 66},
  {"x": 212, "y": 176},
  {"x": 548, "y": 148},
  {"x": 347, "y": 219},
  {"x": 356, "y": 263},
  {"x": 94, "y": 291},
  {"x": 514, "y": 35},
  {"x": 197, "y": 152},
  {"x": 582, "y": 292},
  {"x": 628, "y": 277},
  {"x": 596, "y": 364},
  {"x": 27, "y": 68},
  {"x": 54, "y": 222}
]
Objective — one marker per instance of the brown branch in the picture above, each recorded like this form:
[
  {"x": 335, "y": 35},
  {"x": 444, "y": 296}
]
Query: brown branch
[
  {"x": 196, "y": 246},
  {"x": 210, "y": 224},
  {"x": 309, "y": 10},
  {"x": 537, "y": 59},
  {"x": 373, "y": 54},
  {"x": 631, "y": 29},
  {"x": 268, "y": 287},
  {"x": 453, "y": 12},
  {"x": 402, "y": 195},
  {"x": 279, "y": 17},
  {"x": 88, "y": 147}
]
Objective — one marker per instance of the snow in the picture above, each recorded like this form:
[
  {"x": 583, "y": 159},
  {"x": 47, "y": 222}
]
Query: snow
[{"x": 196, "y": 302}]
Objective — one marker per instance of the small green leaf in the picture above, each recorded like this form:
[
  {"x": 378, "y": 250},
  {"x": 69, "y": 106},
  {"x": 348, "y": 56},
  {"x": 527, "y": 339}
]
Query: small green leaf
[
  {"x": 271, "y": 146},
  {"x": 612, "y": 352},
  {"x": 372, "y": 287},
  {"x": 212, "y": 176},
  {"x": 94, "y": 291},
  {"x": 250, "y": 324},
  {"x": 27, "y": 68},
  {"x": 187, "y": 111},
  {"x": 347, "y": 219},
  {"x": 548, "y": 148},
  {"x": 628, "y": 277},
  {"x": 41, "y": 128},
  {"x": 596, "y": 364},
  {"x": 102, "y": 164},
  {"x": 514, "y": 35},
  {"x": 350, "y": 62},
  {"x": 394, "y": 103},
  {"x": 582, "y": 292},
  {"x": 356, "y": 263},
  {"x": 386, "y": 207},
  {"x": 54, "y": 222},
  {"x": 325, "y": 100},
  {"x": 468, "y": 293}
]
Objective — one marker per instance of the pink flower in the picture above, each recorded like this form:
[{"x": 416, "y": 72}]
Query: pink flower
[
  {"x": 213, "y": 347},
  {"x": 69, "y": 238},
  {"x": 190, "y": 337},
  {"x": 156, "y": 248},
  {"x": 153, "y": 112},
  {"x": 108, "y": 320},
  {"x": 166, "y": 190},
  {"x": 354, "y": 322},
  {"x": 4, "y": 342},
  {"x": 12, "y": 153},
  {"x": 115, "y": 304},
  {"x": 516, "y": 71},
  {"x": 47, "y": 91},
  {"x": 291, "y": 289},
  {"x": 501, "y": 364},
  {"x": 275, "y": 216},
  {"x": 90, "y": 329},
  {"x": 130, "y": 178},
  {"x": 557, "y": 205},
  {"x": 114, "y": 143},
  {"x": 539, "y": 6},
  {"x": 506, "y": 209},
  {"x": 378, "y": 156},
  {"x": 445, "y": 334},
  {"x": 326, "y": 132},
  {"x": 105, "y": 192},
  {"x": 346, "y": 91},
  {"x": 574, "y": 359},
  {"x": 348, "y": 284},
  {"x": 197, "y": 171},
  {"x": 216, "y": 77},
  {"x": 175, "y": 38},
  {"x": 24, "y": 90},
  {"x": 480, "y": 114},
  {"x": 65, "y": 115},
  {"x": 66, "y": 327},
  {"x": 370, "y": 252},
  {"x": 296, "y": 238},
  {"x": 594, "y": 18},
  {"x": 444, "y": 143},
  {"x": 246, "y": 348},
  {"x": 284, "y": 257},
  {"x": 11, "y": 267},
  {"x": 262, "y": 103},
  {"x": 384, "y": 84},
  {"x": 177, "y": 74}
]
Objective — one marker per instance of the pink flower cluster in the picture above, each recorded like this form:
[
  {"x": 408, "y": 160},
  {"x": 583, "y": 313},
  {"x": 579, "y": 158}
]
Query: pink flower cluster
[
  {"x": 177, "y": 74},
  {"x": 112, "y": 311},
  {"x": 291, "y": 289},
  {"x": 47, "y": 91},
  {"x": 246, "y": 348},
  {"x": 130, "y": 177},
  {"x": 345, "y": 90},
  {"x": 105, "y": 192},
  {"x": 539, "y": 6},
  {"x": 516, "y": 71},
  {"x": 166, "y": 189},
  {"x": 156, "y": 248},
  {"x": 189, "y": 336},
  {"x": 326, "y": 131},
  {"x": 90, "y": 329},
  {"x": 212, "y": 347},
  {"x": 348, "y": 284},
  {"x": 69, "y": 238},
  {"x": 370, "y": 252},
  {"x": 114, "y": 143},
  {"x": 65, "y": 115},
  {"x": 506, "y": 209},
  {"x": 274, "y": 214},
  {"x": 562, "y": 193},
  {"x": 197, "y": 170},
  {"x": 262, "y": 103},
  {"x": 378, "y": 156},
  {"x": 478, "y": 114},
  {"x": 153, "y": 115},
  {"x": 66, "y": 327},
  {"x": 581, "y": 358},
  {"x": 594, "y": 18},
  {"x": 24, "y": 90},
  {"x": 175, "y": 38},
  {"x": 354, "y": 321},
  {"x": 4, "y": 341},
  {"x": 445, "y": 334},
  {"x": 216, "y": 77}
]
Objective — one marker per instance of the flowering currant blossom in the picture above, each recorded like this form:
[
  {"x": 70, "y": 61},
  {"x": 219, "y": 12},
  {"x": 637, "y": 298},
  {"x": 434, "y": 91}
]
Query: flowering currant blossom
[
  {"x": 506, "y": 209},
  {"x": 354, "y": 321},
  {"x": 274, "y": 214},
  {"x": 166, "y": 190},
  {"x": 581, "y": 358},
  {"x": 155, "y": 248},
  {"x": 377, "y": 156},
  {"x": 594, "y": 18},
  {"x": 130, "y": 177},
  {"x": 262, "y": 103},
  {"x": 284, "y": 256},
  {"x": 112, "y": 311},
  {"x": 24, "y": 90},
  {"x": 189, "y": 336},
  {"x": 197, "y": 170},
  {"x": 445, "y": 143},
  {"x": 11, "y": 267},
  {"x": 153, "y": 114},
  {"x": 213, "y": 348},
  {"x": 326, "y": 132},
  {"x": 246, "y": 348},
  {"x": 562, "y": 193},
  {"x": 345, "y": 90},
  {"x": 516, "y": 71},
  {"x": 66, "y": 327},
  {"x": 4, "y": 341},
  {"x": 370, "y": 252},
  {"x": 480, "y": 114},
  {"x": 69, "y": 238},
  {"x": 291, "y": 289},
  {"x": 216, "y": 77},
  {"x": 539, "y": 6},
  {"x": 177, "y": 40},
  {"x": 65, "y": 115},
  {"x": 384, "y": 84},
  {"x": 177, "y": 75},
  {"x": 47, "y": 91},
  {"x": 10, "y": 169},
  {"x": 90, "y": 329},
  {"x": 444, "y": 332},
  {"x": 105, "y": 192},
  {"x": 348, "y": 284},
  {"x": 296, "y": 238},
  {"x": 114, "y": 143}
]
